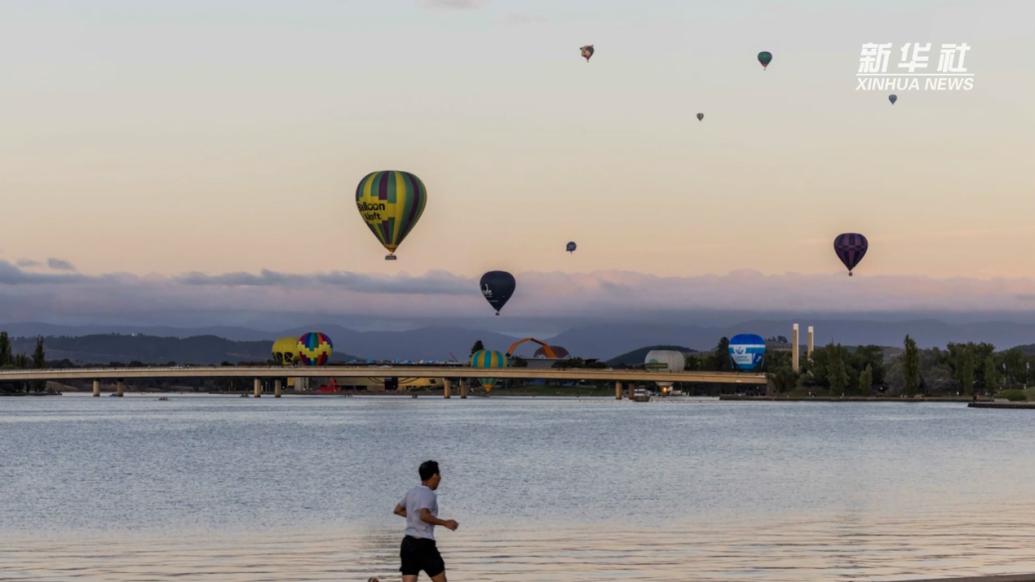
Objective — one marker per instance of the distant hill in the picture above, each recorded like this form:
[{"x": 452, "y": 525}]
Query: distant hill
[
  {"x": 106, "y": 348},
  {"x": 637, "y": 356},
  {"x": 603, "y": 341}
]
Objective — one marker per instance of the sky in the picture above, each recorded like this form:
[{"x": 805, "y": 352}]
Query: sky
[{"x": 176, "y": 147}]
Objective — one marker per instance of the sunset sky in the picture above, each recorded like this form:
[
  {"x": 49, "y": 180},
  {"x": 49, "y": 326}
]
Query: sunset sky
[{"x": 160, "y": 139}]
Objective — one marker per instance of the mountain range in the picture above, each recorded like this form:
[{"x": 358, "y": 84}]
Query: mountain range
[{"x": 603, "y": 341}]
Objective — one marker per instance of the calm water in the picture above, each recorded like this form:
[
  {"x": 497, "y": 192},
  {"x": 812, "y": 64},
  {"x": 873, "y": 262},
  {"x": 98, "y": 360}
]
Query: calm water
[{"x": 204, "y": 487}]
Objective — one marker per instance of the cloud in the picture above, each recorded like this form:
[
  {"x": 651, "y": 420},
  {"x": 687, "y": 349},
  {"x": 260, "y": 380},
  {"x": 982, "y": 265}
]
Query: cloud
[
  {"x": 433, "y": 283},
  {"x": 27, "y": 263},
  {"x": 456, "y": 4},
  {"x": 60, "y": 264},
  {"x": 519, "y": 18},
  {"x": 27, "y": 295},
  {"x": 15, "y": 275}
]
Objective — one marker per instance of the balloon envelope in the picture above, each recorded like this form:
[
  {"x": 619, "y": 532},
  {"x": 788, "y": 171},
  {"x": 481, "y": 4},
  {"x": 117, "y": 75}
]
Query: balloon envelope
[
  {"x": 571, "y": 246},
  {"x": 488, "y": 360},
  {"x": 747, "y": 351},
  {"x": 893, "y": 98},
  {"x": 391, "y": 202},
  {"x": 285, "y": 351},
  {"x": 497, "y": 287},
  {"x": 765, "y": 57},
  {"x": 586, "y": 51},
  {"x": 700, "y": 116},
  {"x": 851, "y": 247},
  {"x": 314, "y": 348},
  {"x": 664, "y": 361}
]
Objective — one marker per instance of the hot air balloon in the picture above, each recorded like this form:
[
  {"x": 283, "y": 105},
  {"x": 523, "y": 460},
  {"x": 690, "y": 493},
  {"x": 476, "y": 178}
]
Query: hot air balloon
[
  {"x": 497, "y": 287},
  {"x": 665, "y": 361},
  {"x": 587, "y": 51},
  {"x": 893, "y": 98},
  {"x": 285, "y": 351},
  {"x": 391, "y": 203},
  {"x": 700, "y": 117},
  {"x": 314, "y": 348},
  {"x": 488, "y": 360},
  {"x": 851, "y": 248},
  {"x": 765, "y": 57},
  {"x": 571, "y": 246},
  {"x": 747, "y": 351}
]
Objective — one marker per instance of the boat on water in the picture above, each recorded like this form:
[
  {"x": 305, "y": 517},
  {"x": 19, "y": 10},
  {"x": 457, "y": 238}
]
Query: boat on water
[{"x": 641, "y": 395}]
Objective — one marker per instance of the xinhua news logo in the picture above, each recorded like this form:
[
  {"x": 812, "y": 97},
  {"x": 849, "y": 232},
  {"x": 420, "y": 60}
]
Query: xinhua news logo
[{"x": 915, "y": 69}]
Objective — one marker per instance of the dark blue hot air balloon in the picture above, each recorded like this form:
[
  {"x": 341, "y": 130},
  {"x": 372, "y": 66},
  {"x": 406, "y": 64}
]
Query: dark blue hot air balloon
[
  {"x": 497, "y": 287},
  {"x": 571, "y": 246},
  {"x": 851, "y": 248}
]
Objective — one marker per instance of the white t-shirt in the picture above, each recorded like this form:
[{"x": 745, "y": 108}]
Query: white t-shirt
[{"x": 416, "y": 499}]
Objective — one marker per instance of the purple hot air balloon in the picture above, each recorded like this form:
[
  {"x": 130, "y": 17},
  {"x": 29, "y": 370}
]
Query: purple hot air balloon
[{"x": 851, "y": 248}]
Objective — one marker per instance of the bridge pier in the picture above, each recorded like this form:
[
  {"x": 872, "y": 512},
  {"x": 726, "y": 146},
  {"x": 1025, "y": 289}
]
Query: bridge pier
[
  {"x": 629, "y": 391},
  {"x": 446, "y": 388},
  {"x": 96, "y": 388},
  {"x": 276, "y": 388},
  {"x": 120, "y": 388},
  {"x": 257, "y": 388},
  {"x": 463, "y": 388},
  {"x": 618, "y": 390}
]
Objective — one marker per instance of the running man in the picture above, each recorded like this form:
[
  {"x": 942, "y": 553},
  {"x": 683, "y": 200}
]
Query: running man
[{"x": 420, "y": 508}]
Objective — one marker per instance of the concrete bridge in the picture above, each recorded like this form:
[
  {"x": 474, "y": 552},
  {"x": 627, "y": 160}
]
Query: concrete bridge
[{"x": 446, "y": 373}]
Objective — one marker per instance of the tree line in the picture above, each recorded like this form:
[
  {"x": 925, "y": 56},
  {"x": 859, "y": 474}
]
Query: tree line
[
  {"x": 969, "y": 369},
  {"x": 11, "y": 361}
]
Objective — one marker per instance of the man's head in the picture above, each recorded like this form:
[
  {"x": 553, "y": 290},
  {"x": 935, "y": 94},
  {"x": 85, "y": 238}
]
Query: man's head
[{"x": 429, "y": 474}]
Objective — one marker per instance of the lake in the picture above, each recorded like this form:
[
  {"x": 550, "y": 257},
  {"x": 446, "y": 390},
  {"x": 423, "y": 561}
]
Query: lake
[{"x": 302, "y": 488}]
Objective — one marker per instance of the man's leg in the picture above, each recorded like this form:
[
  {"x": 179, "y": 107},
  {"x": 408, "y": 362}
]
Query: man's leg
[
  {"x": 409, "y": 578},
  {"x": 440, "y": 578}
]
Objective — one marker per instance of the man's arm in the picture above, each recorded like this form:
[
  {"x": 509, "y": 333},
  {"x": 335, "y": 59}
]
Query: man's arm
[
  {"x": 426, "y": 517},
  {"x": 399, "y": 510}
]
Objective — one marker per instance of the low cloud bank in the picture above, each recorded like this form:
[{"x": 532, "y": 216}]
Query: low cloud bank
[{"x": 32, "y": 295}]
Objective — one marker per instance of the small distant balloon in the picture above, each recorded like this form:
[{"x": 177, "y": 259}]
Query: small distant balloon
[
  {"x": 700, "y": 117},
  {"x": 571, "y": 246},
  {"x": 765, "y": 57},
  {"x": 893, "y": 98},
  {"x": 851, "y": 247},
  {"x": 587, "y": 51},
  {"x": 497, "y": 287}
]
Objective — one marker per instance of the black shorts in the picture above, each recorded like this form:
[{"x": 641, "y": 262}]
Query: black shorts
[{"x": 420, "y": 554}]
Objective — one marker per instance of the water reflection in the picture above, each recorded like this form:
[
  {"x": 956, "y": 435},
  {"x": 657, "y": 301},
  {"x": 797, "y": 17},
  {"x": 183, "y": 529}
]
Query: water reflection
[
  {"x": 845, "y": 547},
  {"x": 567, "y": 490}
]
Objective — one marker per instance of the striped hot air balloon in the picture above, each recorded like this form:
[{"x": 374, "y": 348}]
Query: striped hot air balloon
[
  {"x": 488, "y": 360},
  {"x": 314, "y": 348},
  {"x": 851, "y": 248},
  {"x": 391, "y": 202}
]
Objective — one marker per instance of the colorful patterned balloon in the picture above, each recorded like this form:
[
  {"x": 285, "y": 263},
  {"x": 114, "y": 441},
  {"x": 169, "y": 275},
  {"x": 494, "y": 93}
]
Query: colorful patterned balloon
[
  {"x": 488, "y": 360},
  {"x": 391, "y": 203},
  {"x": 314, "y": 348}
]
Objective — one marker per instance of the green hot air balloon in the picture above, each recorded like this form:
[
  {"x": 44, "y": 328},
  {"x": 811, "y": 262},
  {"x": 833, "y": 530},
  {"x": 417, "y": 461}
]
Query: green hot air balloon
[
  {"x": 700, "y": 117},
  {"x": 765, "y": 57},
  {"x": 488, "y": 360},
  {"x": 391, "y": 203}
]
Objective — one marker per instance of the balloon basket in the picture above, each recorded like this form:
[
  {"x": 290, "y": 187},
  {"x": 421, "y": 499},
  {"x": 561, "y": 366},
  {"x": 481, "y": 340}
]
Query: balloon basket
[{"x": 390, "y": 257}]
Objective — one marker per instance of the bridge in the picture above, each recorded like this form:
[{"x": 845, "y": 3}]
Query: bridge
[{"x": 446, "y": 373}]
